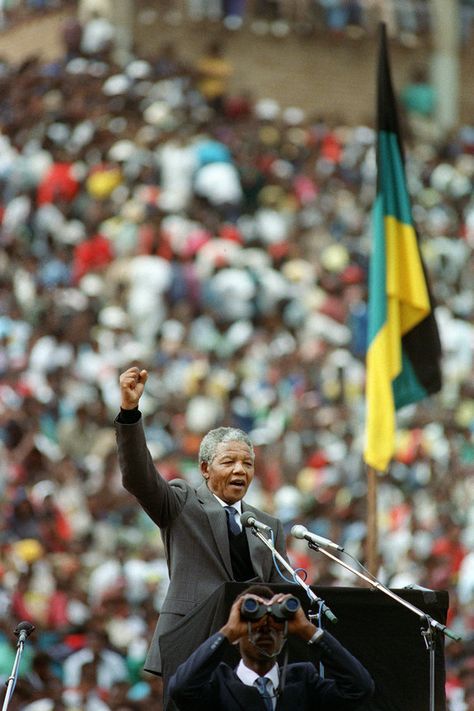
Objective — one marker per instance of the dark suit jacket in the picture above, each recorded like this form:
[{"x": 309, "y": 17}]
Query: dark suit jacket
[
  {"x": 194, "y": 529},
  {"x": 205, "y": 683}
]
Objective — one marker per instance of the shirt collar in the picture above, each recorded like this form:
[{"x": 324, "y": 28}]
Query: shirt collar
[
  {"x": 237, "y": 506},
  {"x": 248, "y": 676}
]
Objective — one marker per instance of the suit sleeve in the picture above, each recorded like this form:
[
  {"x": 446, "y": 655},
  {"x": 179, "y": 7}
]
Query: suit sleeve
[
  {"x": 191, "y": 687},
  {"x": 346, "y": 683},
  {"x": 161, "y": 501}
]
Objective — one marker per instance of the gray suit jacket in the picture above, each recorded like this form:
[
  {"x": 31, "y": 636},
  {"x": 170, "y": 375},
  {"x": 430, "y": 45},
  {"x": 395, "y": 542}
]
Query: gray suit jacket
[{"x": 194, "y": 529}]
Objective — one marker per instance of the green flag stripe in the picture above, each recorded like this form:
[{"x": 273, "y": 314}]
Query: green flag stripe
[
  {"x": 406, "y": 386},
  {"x": 377, "y": 273},
  {"x": 392, "y": 185},
  {"x": 423, "y": 348}
]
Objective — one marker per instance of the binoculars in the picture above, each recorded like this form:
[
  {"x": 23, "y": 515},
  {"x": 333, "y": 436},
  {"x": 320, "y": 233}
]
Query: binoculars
[{"x": 252, "y": 609}]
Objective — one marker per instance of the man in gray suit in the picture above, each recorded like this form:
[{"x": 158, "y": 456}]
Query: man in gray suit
[{"x": 204, "y": 541}]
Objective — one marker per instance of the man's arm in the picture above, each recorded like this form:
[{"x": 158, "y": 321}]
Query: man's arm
[
  {"x": 140, "y": 477},
  {"x": 346, "y": 683},
  {"x": 191, "y": 685}
]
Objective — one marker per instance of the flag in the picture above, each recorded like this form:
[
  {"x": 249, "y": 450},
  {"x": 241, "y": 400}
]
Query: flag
[{"x": 404, "y": 350}]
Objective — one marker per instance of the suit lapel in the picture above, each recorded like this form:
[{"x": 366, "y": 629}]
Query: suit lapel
[
  {"x": 245, "y": 697},
  {"x": 259, "y": 554},
  {"x": 218, "y": 522},
  {"x": 291, "y": 695}
]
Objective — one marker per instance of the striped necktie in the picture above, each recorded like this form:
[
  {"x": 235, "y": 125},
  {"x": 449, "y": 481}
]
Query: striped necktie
[
  {"x": 262, "y": 683},
  {"x": 232, "y": 524}
]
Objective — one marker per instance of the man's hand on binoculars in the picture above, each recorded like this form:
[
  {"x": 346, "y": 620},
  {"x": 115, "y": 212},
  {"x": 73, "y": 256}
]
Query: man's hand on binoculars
[
  {"x": 300, "y": 625},
  {"x": 236, "y": 627}
]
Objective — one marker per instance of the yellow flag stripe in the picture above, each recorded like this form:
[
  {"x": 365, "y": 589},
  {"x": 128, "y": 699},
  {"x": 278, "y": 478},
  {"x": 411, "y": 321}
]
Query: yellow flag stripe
[
  {"x": 407, "y": 305},
  {"x": 406, "y": 283},
  {"x": 380, "y": 424}
]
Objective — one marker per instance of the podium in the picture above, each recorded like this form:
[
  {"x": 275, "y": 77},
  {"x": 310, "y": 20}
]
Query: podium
[{"x": 383, "y": 634}]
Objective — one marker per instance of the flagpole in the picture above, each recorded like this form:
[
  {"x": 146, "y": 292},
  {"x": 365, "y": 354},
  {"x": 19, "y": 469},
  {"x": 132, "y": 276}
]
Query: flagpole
[{"x": 372, "y": 543}]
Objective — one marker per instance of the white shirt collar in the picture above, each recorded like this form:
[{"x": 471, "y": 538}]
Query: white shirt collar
[
  {"x": 237, "y": 506},
  {"x": 248, "y": 676}
]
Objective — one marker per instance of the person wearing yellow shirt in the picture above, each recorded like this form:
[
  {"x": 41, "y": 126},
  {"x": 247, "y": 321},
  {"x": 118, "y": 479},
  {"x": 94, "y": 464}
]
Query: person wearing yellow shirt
[{"x": 213, "y": 74}]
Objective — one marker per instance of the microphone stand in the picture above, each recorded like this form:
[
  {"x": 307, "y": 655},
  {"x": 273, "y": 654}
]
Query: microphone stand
[
  {"x": 428, "y": 624},
  {"x": 314, "y": 598},
  {"x": 22, "y": 631}
]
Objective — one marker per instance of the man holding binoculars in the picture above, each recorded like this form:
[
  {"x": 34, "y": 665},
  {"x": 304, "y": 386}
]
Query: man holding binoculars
[{"x": 259, "y": 623}]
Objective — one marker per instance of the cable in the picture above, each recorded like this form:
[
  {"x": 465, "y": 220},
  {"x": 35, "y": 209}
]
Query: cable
[
  {"x": 361, "y": 566},
  {"x": 275, "y": 562}
]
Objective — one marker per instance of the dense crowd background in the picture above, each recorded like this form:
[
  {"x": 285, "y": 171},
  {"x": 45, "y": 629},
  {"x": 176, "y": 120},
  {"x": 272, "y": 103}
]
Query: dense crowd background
[
  {"x": 408, "y": 21},
  {"x": 149, "y": 216}
]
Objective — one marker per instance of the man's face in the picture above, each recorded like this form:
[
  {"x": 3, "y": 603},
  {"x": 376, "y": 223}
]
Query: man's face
[
  {"x": 230, "y": 472},
  {"x": 265, "y": 642}
]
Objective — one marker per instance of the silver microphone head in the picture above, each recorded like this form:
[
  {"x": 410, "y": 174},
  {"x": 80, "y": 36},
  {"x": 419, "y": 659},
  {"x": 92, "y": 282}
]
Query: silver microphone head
[
  {"x": 299, "y": 531},
  {"x": 247, "y": 519}
]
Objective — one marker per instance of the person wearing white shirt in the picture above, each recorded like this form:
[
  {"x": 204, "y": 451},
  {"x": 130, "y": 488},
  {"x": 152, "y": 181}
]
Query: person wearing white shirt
[
  {"x": 110, "y": 666},
  {"x": 205, "y": 680}
]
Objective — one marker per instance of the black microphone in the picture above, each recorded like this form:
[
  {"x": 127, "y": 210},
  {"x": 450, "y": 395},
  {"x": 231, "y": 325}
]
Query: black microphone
[
  {"x": 248, "y": 519},
  {"x": 23, "y": 631},
  {"x": 299, "y": 531}
]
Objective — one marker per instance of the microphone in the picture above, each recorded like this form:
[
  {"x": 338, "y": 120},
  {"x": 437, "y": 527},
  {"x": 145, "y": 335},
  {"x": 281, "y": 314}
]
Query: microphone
[
  {"x": 299, "y": 531},
  {"x": 248, "y": 519},
  {"x": 23, "y": 631}
]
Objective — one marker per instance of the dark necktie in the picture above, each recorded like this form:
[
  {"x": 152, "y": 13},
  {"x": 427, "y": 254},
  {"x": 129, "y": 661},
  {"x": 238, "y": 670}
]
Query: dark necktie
[
  {"x": 262, "y": 683},
  {"x": 232, "y": 524}
]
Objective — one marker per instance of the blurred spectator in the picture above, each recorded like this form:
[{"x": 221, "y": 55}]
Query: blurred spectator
[
  {"x": 213, "y": 74},
  {"x": 418, "y": 99},
  {"x": 97, "y": 36},
  {"x": 204, "y": 9},
  {"x": 94, "y": 669}
]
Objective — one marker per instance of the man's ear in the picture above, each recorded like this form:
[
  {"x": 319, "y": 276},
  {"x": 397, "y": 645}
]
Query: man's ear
[{"x": 204, "y": 466}]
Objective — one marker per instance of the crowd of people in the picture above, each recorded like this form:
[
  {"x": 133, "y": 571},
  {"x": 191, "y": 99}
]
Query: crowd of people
[
  {"x": 13, "y": 12},
  {"x": 409, "y": 22},
  {"x": 222, "y": 242}
]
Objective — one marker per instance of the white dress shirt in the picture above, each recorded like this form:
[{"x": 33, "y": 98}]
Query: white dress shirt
[
  {"x": 237, "y": 506},
  {"x": 248, "y": 676}
]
